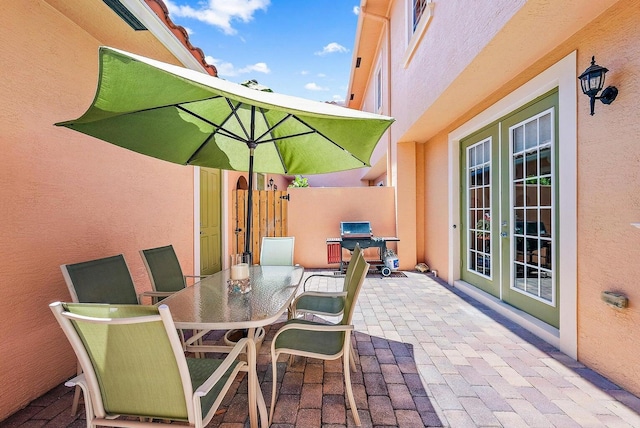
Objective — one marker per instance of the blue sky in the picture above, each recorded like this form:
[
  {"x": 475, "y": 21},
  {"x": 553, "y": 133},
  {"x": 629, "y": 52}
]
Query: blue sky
[{"x": 295, "y": 47}]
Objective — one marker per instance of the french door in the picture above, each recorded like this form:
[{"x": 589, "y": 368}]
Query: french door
[{"x": 508, "y": 209}]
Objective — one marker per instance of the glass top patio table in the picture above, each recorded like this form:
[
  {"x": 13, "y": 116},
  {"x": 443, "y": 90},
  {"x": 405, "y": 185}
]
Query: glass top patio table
[{"x": 208, "y": 305}]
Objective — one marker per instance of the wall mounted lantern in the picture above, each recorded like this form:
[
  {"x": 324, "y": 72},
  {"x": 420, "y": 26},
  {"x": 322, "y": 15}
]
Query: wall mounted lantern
[
  {"x": 270, "y": 182},
  {"x": 592, "y": 81}
]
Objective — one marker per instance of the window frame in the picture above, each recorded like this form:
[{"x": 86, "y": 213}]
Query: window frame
[
  {"x": 415, "y": 31},
  {"x": 378, "y": 90}
]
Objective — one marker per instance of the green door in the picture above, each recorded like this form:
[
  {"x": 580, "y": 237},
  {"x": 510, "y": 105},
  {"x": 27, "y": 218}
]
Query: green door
[
  {"x": 509, "y": 215},
  {"x": 210, "y": 224},
  {"x": 479, "y": 200}
]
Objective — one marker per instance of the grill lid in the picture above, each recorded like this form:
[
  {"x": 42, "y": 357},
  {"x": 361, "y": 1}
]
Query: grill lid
[{"x": 355, "y": 229}]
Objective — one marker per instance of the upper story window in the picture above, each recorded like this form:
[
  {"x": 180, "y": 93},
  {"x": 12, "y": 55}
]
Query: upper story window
[
  {"x": 378, "y": 90},
  {"x": 419, "y": 7},
  {"x": 418, "y": 16}
]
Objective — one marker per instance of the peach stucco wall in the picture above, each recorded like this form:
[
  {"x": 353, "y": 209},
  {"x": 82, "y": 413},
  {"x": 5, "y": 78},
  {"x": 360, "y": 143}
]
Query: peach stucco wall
[
  {"x": 436, "y": 201},
  {"x": 608, "y": 183},
  {"x": 66, "y": 197},
  {"x": 607, "y": 179},
  {"x": 315, "y": 215}
]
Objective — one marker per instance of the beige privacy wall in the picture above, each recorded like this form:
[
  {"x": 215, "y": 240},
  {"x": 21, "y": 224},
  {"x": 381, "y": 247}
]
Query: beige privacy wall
[{"x": 315, "y": 215}]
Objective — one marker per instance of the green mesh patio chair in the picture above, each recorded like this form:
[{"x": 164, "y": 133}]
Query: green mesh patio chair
[
  {"x": 330, "y": 303},
  {"x": 277, "y": 251},
  {"x": 166, "y": 278},
  {"x": 323, "y": 341},
  {"x": 135, "y": 372},
  {"x": 164, "y": 272},
  {"x": 105, "y": 280}
]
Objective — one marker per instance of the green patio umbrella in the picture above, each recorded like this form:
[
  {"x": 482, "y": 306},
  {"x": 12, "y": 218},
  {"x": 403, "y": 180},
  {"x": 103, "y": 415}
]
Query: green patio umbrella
[{"x": 191, "y": 118}]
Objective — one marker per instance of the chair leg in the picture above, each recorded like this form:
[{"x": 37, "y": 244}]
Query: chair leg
[
  {"x": 355, "y": 358},
  {"x": 76, "y": 400},
  {"x": 352, "y": 360},
  {"x": 252, "y": 384},
  {"x": 262, "y": 407},
  {"x": 274, "y": 370},
  {"x": 76, "y": 394},
  {"x": 347, "y": 381}
]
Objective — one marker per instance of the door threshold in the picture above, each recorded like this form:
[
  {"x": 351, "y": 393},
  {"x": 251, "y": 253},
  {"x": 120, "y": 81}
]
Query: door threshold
[{"x": 541, "y": 329}]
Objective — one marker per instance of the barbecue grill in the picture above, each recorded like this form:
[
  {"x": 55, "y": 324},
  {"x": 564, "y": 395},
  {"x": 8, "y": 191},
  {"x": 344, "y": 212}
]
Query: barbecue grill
[{"x": 354, "y": 233}]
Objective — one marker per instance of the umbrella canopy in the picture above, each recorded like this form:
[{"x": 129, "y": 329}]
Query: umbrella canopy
[{"x": 191, "y": 118}]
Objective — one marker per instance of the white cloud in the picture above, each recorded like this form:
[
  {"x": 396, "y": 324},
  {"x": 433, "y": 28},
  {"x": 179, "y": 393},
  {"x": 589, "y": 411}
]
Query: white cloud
[
  {"x": 228, "y": 69},
  {"x": 315, "y": 87},
  {"x": 339, "y": 100},
  {"x": 260, "y": 67},
  {"x": 304, "y": 72},
  {"x": 188, "y": 30},
  {"x": 321, "y": 75},
  {"x": 219, "y": 13},
  {"x": 332, "y": 47},
  {"x": 356, "y": 10}
]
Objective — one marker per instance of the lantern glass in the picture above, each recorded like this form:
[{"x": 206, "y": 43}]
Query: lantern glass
[
  {"x": 596, "y": 81},
  {"x": 592, "y": 80}
]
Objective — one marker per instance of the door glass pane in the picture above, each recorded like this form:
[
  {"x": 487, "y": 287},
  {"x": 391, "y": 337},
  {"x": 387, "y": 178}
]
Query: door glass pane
[
  {"x": 518, "y": 194},
  {"x": 518, "y": 166},
  {"x": 546, "y": 193},
  {"x": 479, "y": 211},
  {"x": 532, "y": 227},
  {"x": 545, "y": 161},
  {"x": 531, "y": 164},
  {"x": 518, "y": 139},
  {"x": 487, "y": 153},
  {"x": 530, "y": 134},
  {"x": 545, "y": 128}
]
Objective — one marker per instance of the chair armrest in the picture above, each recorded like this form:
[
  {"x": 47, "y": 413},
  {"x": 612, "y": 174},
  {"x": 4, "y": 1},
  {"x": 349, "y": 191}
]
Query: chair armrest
[
  {"x": 310, "y": 327},
  {"x": 313, "y": 327},
  {"x": 207, "y": 385},
  {"x": 335, "y": 294},
  {"x": 76, "y": 381},
  {"x": 154, "y": 294},
  {"x": 157, "y": 293},
  {"x": 323, "y": 275},
  {"x": 323, "y": 294},
  {"x": 195, "y": 276}
]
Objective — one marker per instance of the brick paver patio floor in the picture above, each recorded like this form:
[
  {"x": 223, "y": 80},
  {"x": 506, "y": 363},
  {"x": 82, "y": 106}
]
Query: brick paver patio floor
[{"x": 428, "y": 356}]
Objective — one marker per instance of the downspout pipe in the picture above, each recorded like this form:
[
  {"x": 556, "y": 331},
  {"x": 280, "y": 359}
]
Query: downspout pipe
[
  {"x": 391, "y": 174},
  {"x": 386, "y": 22}
]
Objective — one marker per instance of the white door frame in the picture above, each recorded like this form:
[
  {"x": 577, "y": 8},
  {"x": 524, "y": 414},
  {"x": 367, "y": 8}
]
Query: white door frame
[{"x": 563, "y": 76}]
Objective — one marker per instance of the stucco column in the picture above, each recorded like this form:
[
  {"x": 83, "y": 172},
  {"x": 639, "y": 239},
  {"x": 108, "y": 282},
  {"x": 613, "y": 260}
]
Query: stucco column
[{"x": 405, "y": 171}]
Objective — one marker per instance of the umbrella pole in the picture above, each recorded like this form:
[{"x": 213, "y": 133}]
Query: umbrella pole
[{"x": 247, "y": 240}]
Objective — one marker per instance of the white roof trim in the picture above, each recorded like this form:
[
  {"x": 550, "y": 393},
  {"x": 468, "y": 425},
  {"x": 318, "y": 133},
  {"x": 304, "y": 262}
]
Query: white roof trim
[{"x": 159, "y": 29}]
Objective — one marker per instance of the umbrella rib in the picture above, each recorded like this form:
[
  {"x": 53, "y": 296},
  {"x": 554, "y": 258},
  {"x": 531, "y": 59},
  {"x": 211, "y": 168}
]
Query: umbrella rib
[
  {"x": 177, "y": 105},
  {"x": 284, "y": 167},
  {"x": 313, "y": 130},
  {"x": 268, "y": 131},
  {"x": 195, "y": 153},
  {"x": 234, "y": 112},
  {"x": 259, "y": 140},
  {"x": 330, "y": 140},
  {"x": 219, "y": 128}
]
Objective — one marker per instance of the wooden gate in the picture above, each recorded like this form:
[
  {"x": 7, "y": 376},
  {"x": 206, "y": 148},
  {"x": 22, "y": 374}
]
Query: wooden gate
[{"x": 269, "y": 218}]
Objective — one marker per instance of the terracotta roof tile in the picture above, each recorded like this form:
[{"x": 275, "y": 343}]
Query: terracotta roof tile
[{"x": 161, "y": 10}]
